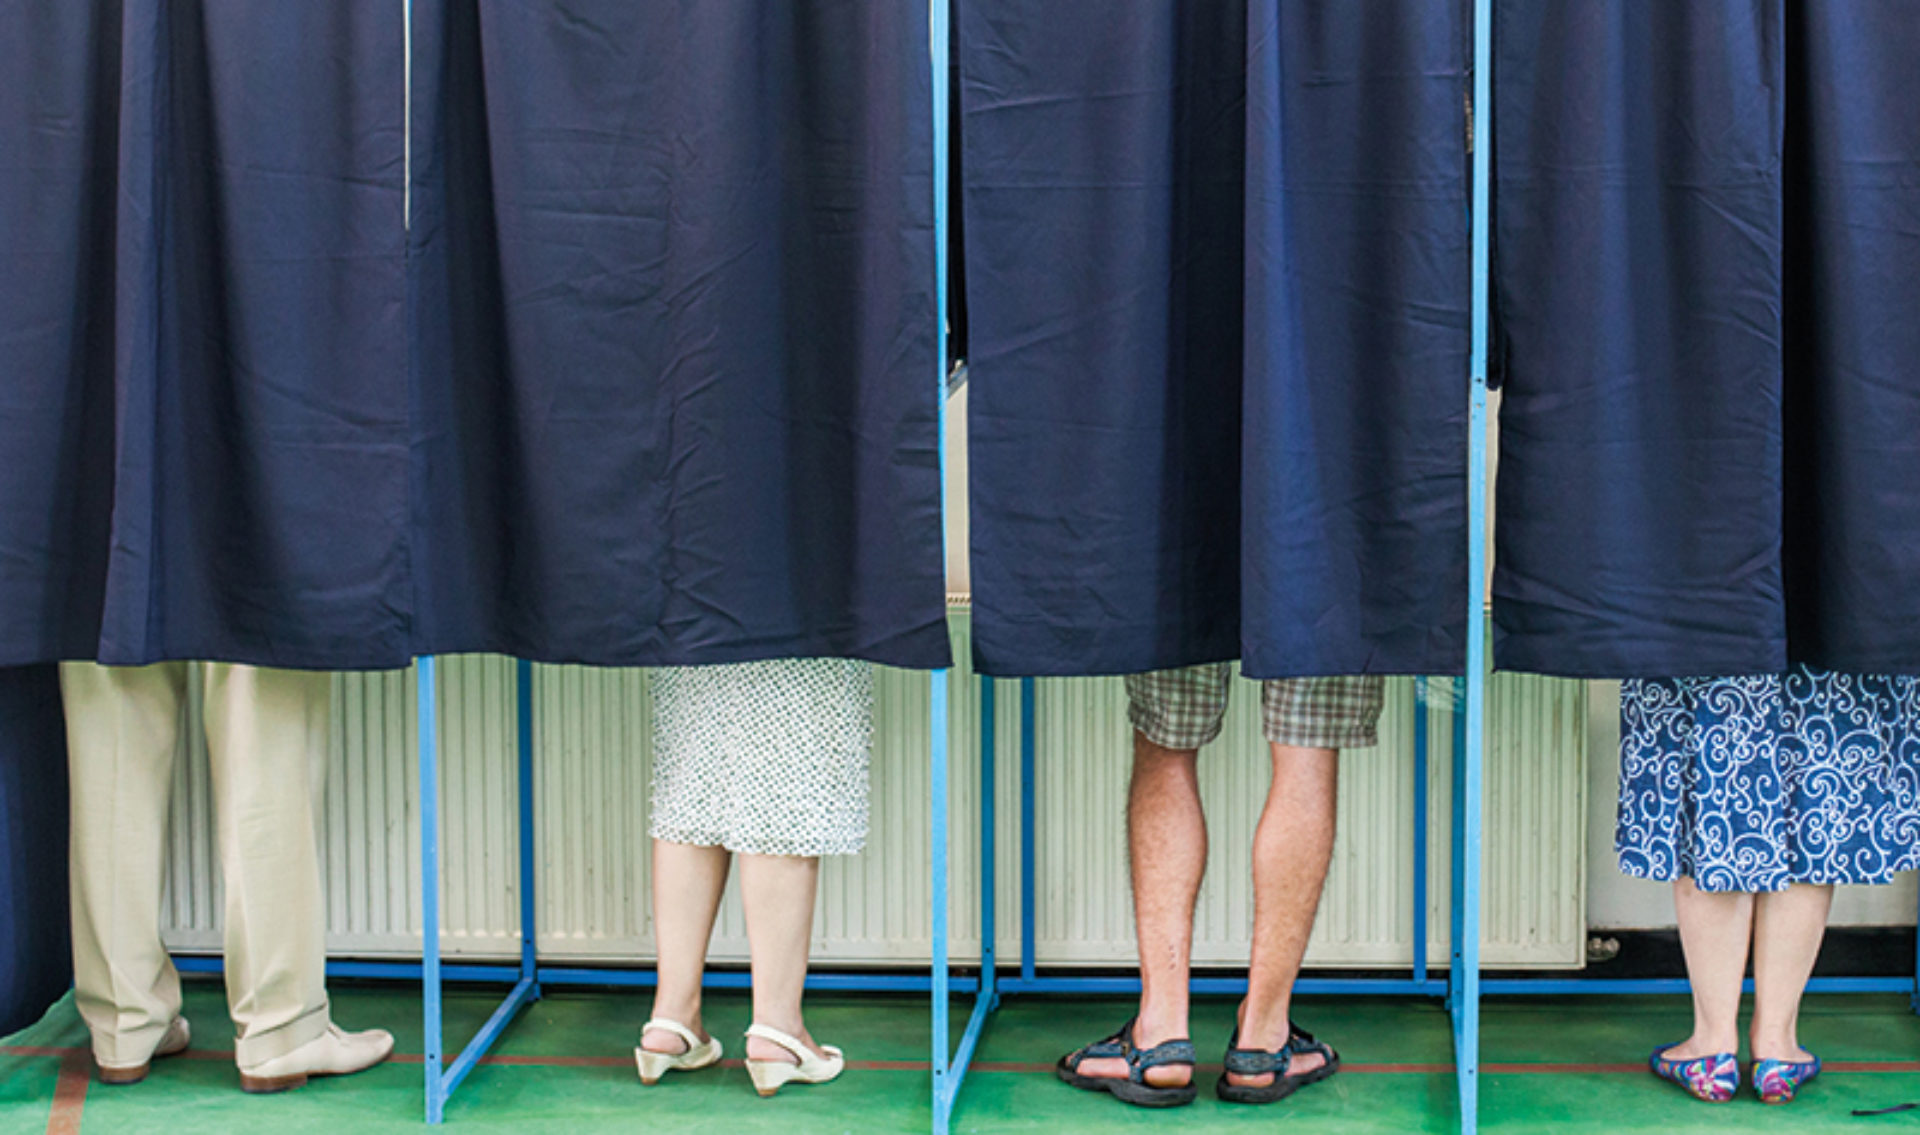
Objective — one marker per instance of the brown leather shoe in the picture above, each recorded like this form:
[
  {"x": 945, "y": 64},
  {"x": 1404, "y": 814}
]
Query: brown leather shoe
[{"x": 173, "y": 1041}]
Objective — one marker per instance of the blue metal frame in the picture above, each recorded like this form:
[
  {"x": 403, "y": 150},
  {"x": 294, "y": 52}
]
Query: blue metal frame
[
  {"x": 1461, "y": 988},
  {"x": 1469, "y": 773},
  {"x": 1627, "y": 986},
  {"x": 442, "y": 1081},
  {"x": 598, "y": 978},
  {"x": 950, "y": 1064},
  {"x": 993, "y": 987},
  {"x": 1420, "y": 984},
  {"x": 529, "y": 977}
]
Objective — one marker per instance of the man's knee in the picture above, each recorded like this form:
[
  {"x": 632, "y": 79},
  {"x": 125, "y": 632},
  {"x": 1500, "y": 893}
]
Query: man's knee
[{"x": 1177, "y": 711}]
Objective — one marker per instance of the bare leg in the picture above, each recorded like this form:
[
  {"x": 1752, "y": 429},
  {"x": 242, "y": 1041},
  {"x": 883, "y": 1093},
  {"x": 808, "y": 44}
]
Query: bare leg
[
  {"x": 777, "y": 891},
  {"x": 1715, "y": 930},
  {"x": 1167, "y": 841},
  {"x": 1787, "y": 928},
  {"x": 687, "y": 884},
  {"x": 1291, "y": 850}
]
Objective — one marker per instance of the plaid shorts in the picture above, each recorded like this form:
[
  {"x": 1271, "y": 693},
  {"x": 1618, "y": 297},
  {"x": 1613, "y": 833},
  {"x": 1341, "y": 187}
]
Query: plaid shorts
[{"x": 1185, "y": 709}]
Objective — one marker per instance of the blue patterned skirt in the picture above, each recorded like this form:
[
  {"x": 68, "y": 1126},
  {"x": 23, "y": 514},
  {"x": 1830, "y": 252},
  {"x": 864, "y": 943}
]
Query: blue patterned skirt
[{"x": 1753, "y": 784}]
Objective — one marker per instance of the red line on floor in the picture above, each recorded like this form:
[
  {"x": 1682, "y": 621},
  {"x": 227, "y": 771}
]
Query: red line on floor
[
  {"x": 1207, "y": 1070},
  {"x": 73, "y": 1058},
  {"x": 69, "y": 1094},
  {"x": 1561, "y": 1069},
  {"x": 523, "y": 1061}
]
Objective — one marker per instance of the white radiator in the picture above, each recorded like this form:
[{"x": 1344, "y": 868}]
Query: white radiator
[{"x": 591, "y": 785}]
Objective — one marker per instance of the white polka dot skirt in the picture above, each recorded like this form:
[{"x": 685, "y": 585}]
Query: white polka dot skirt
[{"x": 763, "y": 758}]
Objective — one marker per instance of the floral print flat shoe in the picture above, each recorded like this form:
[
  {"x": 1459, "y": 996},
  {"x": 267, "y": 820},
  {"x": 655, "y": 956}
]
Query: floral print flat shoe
[
  {"x": 1778, "y": 1081},
  {"x": 1712, "y": 1079}
]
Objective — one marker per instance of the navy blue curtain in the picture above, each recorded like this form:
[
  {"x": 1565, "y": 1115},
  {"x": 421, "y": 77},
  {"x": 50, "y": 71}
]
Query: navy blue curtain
[
  {"x": 1852, "y": 542},
  {"x": 675, "y": 282},
  {"x": 1708, "y": 247},
  {"x": 203, "y": 402},
  {"x": 663, "y": 390},
  {"x": 1217, "y": 290},
  {"x": 36, "y": 964}
]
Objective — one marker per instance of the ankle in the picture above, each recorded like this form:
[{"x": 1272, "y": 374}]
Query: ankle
[
  {"x": 1776, "y": 1046},
  {"x": 759, "y": 1048},
  {"x": 793, "y": 1022},
  {"x": 1158, "y": 1026},
  {"x": 680, "y": 1014},
  {"x": 1264, "y": 1026},
  {"x": 1703, "y": 1043}
]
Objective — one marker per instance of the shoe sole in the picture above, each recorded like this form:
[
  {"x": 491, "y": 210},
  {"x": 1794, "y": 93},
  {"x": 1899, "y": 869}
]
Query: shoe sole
[
  {"x": 123, "y": 1076},
  {"x": 768, "y": 1084},
  {"x": 1280, "y": 1089},
  {"x": 1126, "y": 1091},
  {"x": 268, "y": 1085},
  {"x": 643, "y": 1064}
]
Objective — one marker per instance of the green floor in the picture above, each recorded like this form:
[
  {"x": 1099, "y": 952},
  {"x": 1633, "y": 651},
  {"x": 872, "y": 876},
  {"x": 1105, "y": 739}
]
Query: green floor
[{"x": 1565, "y": 1065}]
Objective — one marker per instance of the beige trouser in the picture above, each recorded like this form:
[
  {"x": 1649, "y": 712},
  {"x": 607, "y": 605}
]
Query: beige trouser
[{"x": 267, "y": 743}]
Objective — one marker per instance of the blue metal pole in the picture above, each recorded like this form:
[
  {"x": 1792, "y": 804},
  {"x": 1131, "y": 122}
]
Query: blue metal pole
[
  {"x": 427, "y": 709},
  {"x": 1230, "y": 986},
  {"x": 942, "y": 1102},
  {"x": 1457, "y": 910},
  {"x": 939, "y": 41},
  {"x": 989, "y": 848},
  {"x": 1467, "y": 1046},
  {"x": 529, "y": 917},
  {"x": 1626, "y": 986},
  {"x": 1028, "y": 694},
  {"x": 1463, "y": 978},
  {"x": 1420, "y": 830},
  {"x": 861, "y": 982}
]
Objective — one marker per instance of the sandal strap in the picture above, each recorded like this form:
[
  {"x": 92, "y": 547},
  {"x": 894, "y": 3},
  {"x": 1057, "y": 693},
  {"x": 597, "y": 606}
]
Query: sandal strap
[
  {"x": 661, "y": 1024},
  {"x": 1139, "y": 1060},
  {"x": 1120, "y": 1046},
  {"x": 792, "y": 1044},
  {"x": 1300, "y": 1042},
  {"x": 1257, "y": 1061},
  {"x": 1107, "y": 1048},
  {"x": 1260, "y": 1061}
]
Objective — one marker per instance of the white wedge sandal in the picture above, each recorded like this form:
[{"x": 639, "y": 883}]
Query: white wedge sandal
[
  {"x": 769, "y": 1076},
  {"x": 699, "y": 1054}
]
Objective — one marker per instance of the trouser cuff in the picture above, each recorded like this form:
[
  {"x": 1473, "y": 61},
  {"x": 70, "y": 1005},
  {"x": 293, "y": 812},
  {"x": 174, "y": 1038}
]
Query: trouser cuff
[{"x": 257, "y": 1048}]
